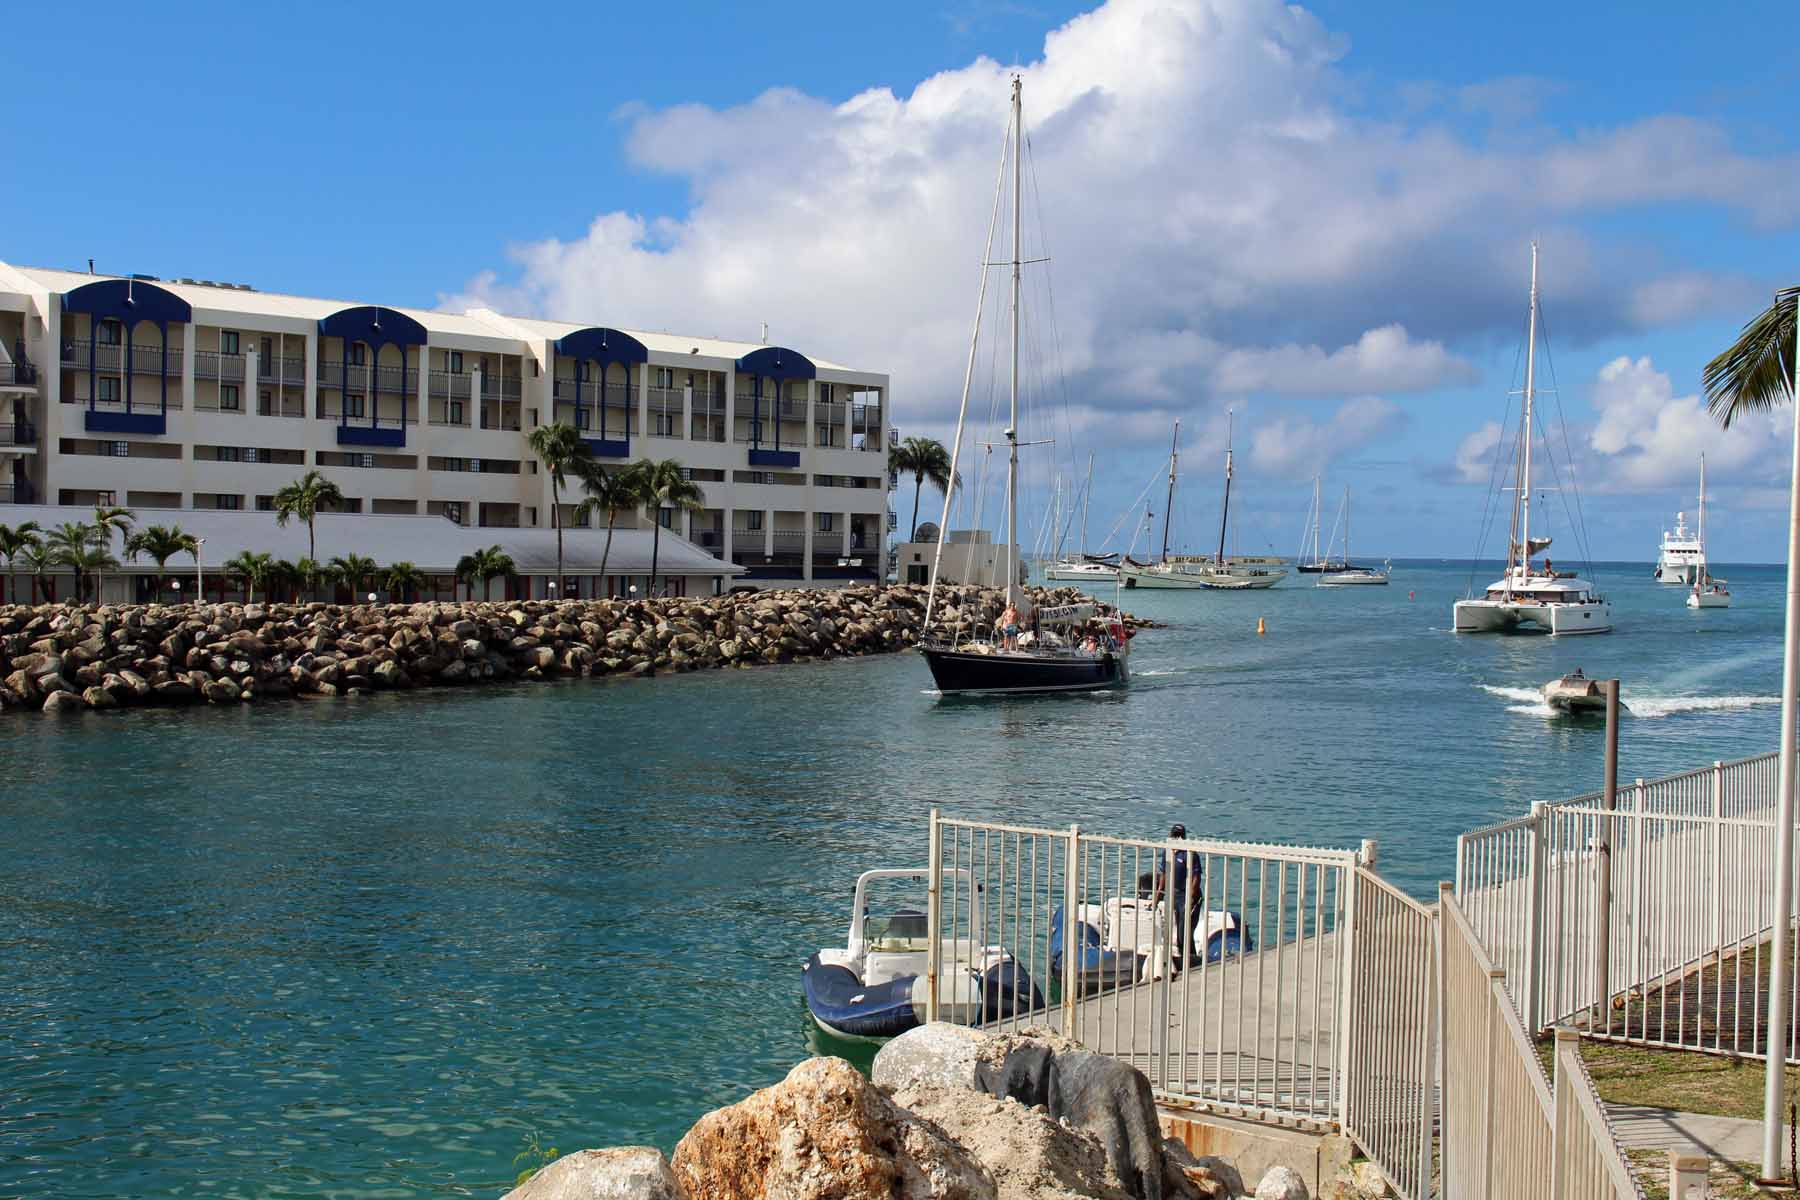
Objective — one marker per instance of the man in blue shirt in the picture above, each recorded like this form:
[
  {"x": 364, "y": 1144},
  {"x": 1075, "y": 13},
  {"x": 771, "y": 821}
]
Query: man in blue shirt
[{"x": 1183, "y": 894}]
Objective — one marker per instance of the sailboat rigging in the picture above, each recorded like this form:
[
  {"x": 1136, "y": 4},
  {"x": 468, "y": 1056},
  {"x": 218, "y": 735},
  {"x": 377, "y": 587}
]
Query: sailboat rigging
[
  {"x": 1709, "y": 590},
  {"x": 1557, "y": 602},
  {"x": 1316, "y": 562},
  {"x": 1041, "y": 653},
  {"x": 1084, "y": 567},
  {"x": 1347, "y": 574}
]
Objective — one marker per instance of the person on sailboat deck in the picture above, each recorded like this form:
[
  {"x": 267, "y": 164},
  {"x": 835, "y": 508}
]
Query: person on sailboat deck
[
  {"x": 1550, "y": 571},
  {"x": 1009, "y": 627},
  {"x": 1185, "y": 865}
]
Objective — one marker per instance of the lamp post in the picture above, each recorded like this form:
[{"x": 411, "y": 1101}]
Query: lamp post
[
  {"x": 552, "y": 589},
  {"x": 371, "y": 597},
  {"x": 199, "y": 583}
]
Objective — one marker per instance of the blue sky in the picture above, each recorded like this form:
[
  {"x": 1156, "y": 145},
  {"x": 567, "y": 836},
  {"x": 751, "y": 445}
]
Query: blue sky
[{"x": 1245, "y": 204}]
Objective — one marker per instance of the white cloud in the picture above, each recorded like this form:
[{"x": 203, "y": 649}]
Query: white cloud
[
  {"x": 1290, "y": 447},
  {"x": 1218, "y": 215},
  {"x": 1474, "y": 462},
  {"x": 1646, "y": 437}
]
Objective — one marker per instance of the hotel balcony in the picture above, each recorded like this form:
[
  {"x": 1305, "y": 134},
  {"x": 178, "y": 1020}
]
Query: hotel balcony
[
  {"x": 19, "y": 433},
  {"x": 17, "y": 375},
  {"x": 385, "y": 431},
  {"x": 226, "y": 368},
  {"x": 146, "y": 359},
  {"x": 393, "y": 381},
  {"x": 19, "y": 491}
]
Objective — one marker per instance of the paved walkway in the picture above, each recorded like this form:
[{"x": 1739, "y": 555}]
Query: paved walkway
[{"x": 1640, "y": 1127}]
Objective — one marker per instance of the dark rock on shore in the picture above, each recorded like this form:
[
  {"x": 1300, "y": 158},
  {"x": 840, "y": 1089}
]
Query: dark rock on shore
[{"x": 58, "y": 658}]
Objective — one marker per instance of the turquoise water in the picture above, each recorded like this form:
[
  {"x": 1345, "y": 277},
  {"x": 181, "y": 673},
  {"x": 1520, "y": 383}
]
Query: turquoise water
[{"x": 363, "y": 949}]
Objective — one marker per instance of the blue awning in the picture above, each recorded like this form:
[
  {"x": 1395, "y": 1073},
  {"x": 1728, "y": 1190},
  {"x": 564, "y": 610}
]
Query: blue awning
[
  {"x": 777, "y": 362},
  {"x": 375, "y": 325},
  {"x": 128, "y": 301}
]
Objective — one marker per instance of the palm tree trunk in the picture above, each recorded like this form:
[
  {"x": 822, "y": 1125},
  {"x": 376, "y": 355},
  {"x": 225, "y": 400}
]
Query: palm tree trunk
[
  {"x": 556, "y": 520},
  {"x": 606, "y": 551},
  {"x": 312, "y": 546},
  {"x": 912, "y": 531},
  {"x": 655, "y": 551}
]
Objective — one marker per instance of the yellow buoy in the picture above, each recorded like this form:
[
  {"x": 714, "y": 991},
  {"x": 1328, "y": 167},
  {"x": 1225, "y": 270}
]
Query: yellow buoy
[{"x": 1261, "y": 629}]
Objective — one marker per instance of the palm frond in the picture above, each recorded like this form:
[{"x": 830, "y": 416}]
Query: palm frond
[{"x": 1756, "y": 372}]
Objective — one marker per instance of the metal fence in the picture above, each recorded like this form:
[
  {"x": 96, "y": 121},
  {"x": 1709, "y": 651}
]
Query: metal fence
[
  {"x": 1507, "y": 1130},
  {"x": 1647, "y": 923}
]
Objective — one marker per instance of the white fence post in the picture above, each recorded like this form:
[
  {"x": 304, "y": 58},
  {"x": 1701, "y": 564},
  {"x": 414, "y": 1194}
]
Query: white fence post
[
  {"x": 1496, "y": 1036},
  {"x": 1071, "y": 921},
  {"x": 1531, "y": 1006},
  {"x": 1687, "y": 1175},
  {"x": 934, "y": 916}
]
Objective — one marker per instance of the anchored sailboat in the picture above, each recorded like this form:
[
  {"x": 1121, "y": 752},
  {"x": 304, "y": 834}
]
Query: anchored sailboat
[
  {"x": 1349, "y": 575},
  {"x": 1316, "y": 562},
  {"x": 1558, "y": 602},
  {"x": 1051, "y": 649},
  {"x": 1709, "y": 591},
  {"x": 1084, "y": 567},
  {"x": 1217, "y": 572}
]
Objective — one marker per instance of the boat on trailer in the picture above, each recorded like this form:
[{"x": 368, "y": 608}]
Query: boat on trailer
[{"x": 876, "y": 986}]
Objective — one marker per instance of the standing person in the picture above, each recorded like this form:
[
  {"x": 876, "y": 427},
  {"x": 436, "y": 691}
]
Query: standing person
[
  {"x": 1009, "y": 628},
  {"x": 1184, "y": 890}
]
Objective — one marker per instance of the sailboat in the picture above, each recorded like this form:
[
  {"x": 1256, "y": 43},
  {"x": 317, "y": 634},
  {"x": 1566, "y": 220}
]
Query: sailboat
[
  {"x": 1048, "y": 651},
  {"x": 1557, "y": 602},
  {"x": 1215, "y": 572},
  {"x": 1709, "y": 591},
  {"x": 1349, "y": 575},
  {"x": 1084, "y": 567},
  {"x": 1316, "y": 563}
]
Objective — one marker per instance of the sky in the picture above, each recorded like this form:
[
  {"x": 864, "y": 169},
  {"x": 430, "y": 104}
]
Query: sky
[{"x": 1314, "y": 219}]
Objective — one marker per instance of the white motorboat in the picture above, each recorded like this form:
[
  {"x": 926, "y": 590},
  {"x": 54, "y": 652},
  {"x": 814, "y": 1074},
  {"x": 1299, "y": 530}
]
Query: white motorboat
[
  {"x": 1350, "y": 575},
  {"x": 1527, "y": 597},
  {"x": 875, "y": 987},
  {"x": 1575, "y": 693},
  {"x": 1683, "y": 557},
  {"x": 1216, "y": 572},
  {"x": 1083, "y": 570}
]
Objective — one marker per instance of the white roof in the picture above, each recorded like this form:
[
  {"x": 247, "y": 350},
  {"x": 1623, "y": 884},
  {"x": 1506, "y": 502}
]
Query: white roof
[
  {"x": 433, "y": 544},
  {"x": 221, "y": 298}
]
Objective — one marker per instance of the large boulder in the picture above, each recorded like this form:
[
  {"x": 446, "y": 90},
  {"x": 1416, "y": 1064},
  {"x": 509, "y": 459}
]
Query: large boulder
[
  {"x": 824, "y": 1133},
  {"x": 63, "y": 702},
  {"x": 937, "y": 1055},
  {"x": 621, "y": 1173},
  {"x": 1030, "y": 1155},
  {"x": 1281, "y": 1183},
  {"x": 1212, "y": 1178},
  {"x": 1106, "y": 1097}
]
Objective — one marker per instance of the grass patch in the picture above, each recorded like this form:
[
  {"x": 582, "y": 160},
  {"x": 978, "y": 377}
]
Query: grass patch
[
  {"x": 1724, "y": 1180},
  {"x": 1681, "y": 1079}
]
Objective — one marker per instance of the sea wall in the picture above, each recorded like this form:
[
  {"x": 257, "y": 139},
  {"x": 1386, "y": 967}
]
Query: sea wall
[{"x": 60, "y": 658}]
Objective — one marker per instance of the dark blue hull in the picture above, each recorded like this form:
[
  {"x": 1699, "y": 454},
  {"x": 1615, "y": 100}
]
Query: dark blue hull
[
  {"x": 1097, "y": 968},
  {"x": 840, "y": 1002}
]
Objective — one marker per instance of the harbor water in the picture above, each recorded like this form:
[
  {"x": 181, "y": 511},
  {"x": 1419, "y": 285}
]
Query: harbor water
[{"x": 368, "y": 948}]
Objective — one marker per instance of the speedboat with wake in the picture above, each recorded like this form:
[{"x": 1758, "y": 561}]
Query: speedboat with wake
[
  {"x": 1576, "y": 693},
  {"x": 876, "y": 986}
]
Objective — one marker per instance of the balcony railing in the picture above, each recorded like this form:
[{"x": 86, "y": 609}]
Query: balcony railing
[
  {"x": 708, "y": 404},
  {"x": 281, "y": 369},
  {"x": 145, "y": 359},
  {"x": 590, "y": 394},
  {"x": 19, "y": 491},
  {"x": 210, "y": 364},
  {"x": 17, "y": 374},
  {"x": 502, "y": 388},
  {"x": 19, "y": 433},
  {"x": 393, "y": 380}
]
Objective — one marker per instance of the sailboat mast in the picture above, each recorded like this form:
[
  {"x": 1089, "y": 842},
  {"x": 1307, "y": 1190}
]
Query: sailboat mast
[
  {"x": 1225, "y": 512},
  {"x": 1703, "y": 504},
  {"x": 1346, "y": 524},
  {"x": 1530, "y": 389},
  {"x": 1317, "y": 514},
  {"x": 1169, "y": 505},
  {"x": 1087, "y": 494},
  {"x": 1012, "y": 426}
]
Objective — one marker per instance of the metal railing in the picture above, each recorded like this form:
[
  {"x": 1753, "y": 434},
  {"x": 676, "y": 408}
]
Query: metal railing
[
  {"x": 18, "y": 433},
  {"x": 211, "y": 364},
  {"x": 17, "y": 374},
  {"x": 1649, "y": 923},
  {"x": 110, "y": 357},
  {"x": 394, "y": 381},
  {"x": 281, "y": 368},
  {"x": 448, "y": 386},
  {"x": 1507, "y": 1131}
]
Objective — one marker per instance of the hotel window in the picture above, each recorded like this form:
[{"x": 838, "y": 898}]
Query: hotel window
[
  {"x": 225, "y": 454},
  {"x": 354, "y": 354},
  {"x": 353, "y": 404},
  {"x": 228, "y": 341},
  {"x": 365, "y": 460},
  {"x": 475, "y": 466},
  {"x": 664, "y": 378},
  {"x": 250, "y": 454},
  {"x": 109, "y": 333},
  {"x": 115, "y": 449},
  {"x": 665, "y": 517},
  {"x": 454, "y": 512},
  {"x": 825, "y": 393},
  {"x": 109, "y": 391},
  {"x": 266, "y": 352},
  {"x": 753, "y": 520},
  {"x": 228, "y": 397},
  {"x": 106, "y": 499},
  {"x": 456, "y": 413},
  {"x": 665, "y": 424},
  {"x": 825, "y": 521},
  {"x": 265, "y": 402},
  {"x": 825, "y": 435},
  {"x": 453, "y": 362},
  {"x": 583, "y": 418},
  {"x": 265, "y": 504},
  {"x": 230, "y": 502}
]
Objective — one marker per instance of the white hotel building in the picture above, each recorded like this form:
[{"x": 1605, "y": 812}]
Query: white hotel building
[{"x": 184, "y": 394}]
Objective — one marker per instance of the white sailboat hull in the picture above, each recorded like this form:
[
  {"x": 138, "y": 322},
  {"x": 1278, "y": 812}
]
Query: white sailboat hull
[
  {"x": 1080, "y": 572},
  {"x": 1564, "y": 618},
  {"x": 1709, "y": 600},
  {"x": 1353, "y": 579},
  {"x": 1139, "y": 577}
]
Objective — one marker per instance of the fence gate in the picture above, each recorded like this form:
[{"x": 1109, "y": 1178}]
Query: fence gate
[{"x": 1390, "y": 1092}]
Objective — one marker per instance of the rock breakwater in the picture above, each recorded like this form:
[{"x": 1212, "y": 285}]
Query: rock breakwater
[{"x": 58, "y": 658}]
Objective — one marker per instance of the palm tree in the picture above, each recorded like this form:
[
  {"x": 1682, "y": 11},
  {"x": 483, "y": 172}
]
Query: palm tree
[
  {"x": 1753, "y": 375},
  {"x": 70, "y": 546},
  {"x": 302, "y": 499},
  {"x": 311, "y": 575},
  {"x": 253, "y": 569},
  {"x": 15, "y": 540},
  {"x": 622, "y": 489},
  {"x": 560, "y": 447},
  {"x": 483, "y": 566},
  {"x": 662, "y": 485},
  {"x": 284, "y": 575},
  {"x": 352, "y": 571},
  {"x": 402, "y": 578},
  {"x": 38, "y": 558},
  {"x": 922, "y": 458},
  {"x": 161, "y": 542},
  {"x": 107, "y": 518}
]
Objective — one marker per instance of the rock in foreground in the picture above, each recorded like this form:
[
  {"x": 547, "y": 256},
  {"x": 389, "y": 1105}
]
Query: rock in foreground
[{"x": 622, "y": 1173}]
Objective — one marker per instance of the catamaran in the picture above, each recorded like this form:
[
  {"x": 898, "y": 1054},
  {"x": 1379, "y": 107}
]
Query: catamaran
[
  {"x": 1053, "y": 649},
  {"x": 1348, "y": 574},
  {"x": 1217, "y": 572},
  {"x": 1557, "y": 602}
]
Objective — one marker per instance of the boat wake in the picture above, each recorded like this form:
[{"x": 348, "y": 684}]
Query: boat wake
[{"x": 1530, "y": 701}]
